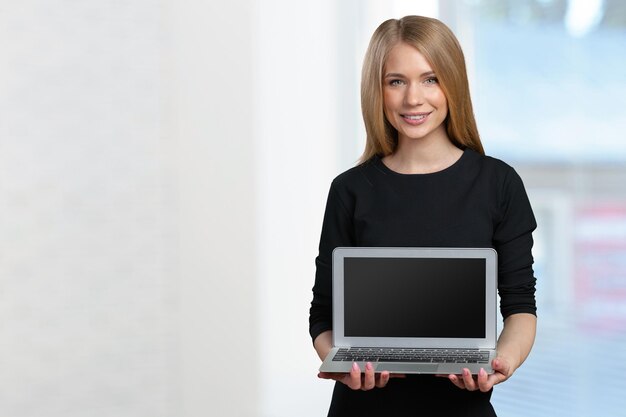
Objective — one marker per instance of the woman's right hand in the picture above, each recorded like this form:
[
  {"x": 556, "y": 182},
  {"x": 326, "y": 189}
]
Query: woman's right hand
[
  {"x": 355, "y": 379},
  {"x": 358, "y": 380}
]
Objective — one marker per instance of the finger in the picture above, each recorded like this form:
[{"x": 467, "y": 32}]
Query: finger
[
  {"x": 369, "y": 381},
  {"x": 484, "y": 383},
  {"x": 383, "y": 379},
  {"x": 502, "y": 371},
  {"x": 456, "y": 381},
  {"x": 468, "y": 380},
  {"x": 354, "y": 380},
  {"x": 497, "y": 377},
  {"x": 502, "y": 366}
]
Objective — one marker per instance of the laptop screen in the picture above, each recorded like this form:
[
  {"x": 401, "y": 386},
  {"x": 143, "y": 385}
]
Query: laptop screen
[{"x": 414, "y": 297}]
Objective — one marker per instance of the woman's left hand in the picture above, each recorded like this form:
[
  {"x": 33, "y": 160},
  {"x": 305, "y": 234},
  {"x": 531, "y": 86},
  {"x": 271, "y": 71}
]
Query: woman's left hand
[
  {"x": 484, "y": 382},
  {"x": 513, "y": 347}
]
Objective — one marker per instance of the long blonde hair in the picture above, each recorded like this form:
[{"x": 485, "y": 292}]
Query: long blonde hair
[{"x": 437, "y": 43}]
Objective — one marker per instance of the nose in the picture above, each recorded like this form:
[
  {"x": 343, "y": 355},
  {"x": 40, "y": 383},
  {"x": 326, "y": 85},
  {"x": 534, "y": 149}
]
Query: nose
[{"x": 414, "y": 95}]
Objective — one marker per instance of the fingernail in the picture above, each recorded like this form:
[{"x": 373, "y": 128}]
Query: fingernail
[
  {"x": 465, "y": 371},
  {"x": 369, "y": 366},
  {"x": 482, "y": 372},
  {"x": 355, "y": 366}
]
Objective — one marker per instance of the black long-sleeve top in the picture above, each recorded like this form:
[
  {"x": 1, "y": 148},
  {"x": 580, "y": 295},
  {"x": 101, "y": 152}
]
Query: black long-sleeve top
[{"x": 479, "y": 201}]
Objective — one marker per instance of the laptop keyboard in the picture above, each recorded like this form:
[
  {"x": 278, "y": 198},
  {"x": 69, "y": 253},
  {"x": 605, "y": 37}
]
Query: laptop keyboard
[{"x": 412, "y": 355}]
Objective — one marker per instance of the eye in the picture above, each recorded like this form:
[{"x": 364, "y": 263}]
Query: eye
[
  {"x": 395, "y": 82},
  {"x": 431, "y": 81}
]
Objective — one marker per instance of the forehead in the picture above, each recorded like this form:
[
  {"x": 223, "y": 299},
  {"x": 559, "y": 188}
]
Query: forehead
[{"x": 406, "y": 59}]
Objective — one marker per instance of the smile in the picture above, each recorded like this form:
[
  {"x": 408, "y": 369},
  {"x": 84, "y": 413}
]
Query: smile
[{"x": 415, "y": 119}]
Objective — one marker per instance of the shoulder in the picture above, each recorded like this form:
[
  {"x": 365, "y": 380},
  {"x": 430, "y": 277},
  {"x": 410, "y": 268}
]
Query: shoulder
[
  {"x": 512, "y": 198},
  {"x": 497, "y": 170},
  {"x": 489, "y": 163},
  {"x": 356, "y": 176}
]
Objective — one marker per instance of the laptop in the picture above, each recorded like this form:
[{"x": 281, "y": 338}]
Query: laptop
[{"x": 414, "y": 310}]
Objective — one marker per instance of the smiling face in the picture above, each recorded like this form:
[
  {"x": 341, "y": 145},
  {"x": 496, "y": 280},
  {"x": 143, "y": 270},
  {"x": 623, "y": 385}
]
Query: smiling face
[{"x": 413, "y": 101}]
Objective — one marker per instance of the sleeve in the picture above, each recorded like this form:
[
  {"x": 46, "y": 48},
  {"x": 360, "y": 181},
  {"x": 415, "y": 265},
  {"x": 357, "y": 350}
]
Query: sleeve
[
  {"x": 337, "y": 230},
  {"x": 513, "y": 241}
]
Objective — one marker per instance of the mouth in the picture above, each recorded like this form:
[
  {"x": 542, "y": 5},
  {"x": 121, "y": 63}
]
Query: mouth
[{"x": 415, "y": 118}]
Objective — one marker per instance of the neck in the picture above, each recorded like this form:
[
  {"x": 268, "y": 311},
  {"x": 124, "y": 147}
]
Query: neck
[{"x": 424, "y": 155}]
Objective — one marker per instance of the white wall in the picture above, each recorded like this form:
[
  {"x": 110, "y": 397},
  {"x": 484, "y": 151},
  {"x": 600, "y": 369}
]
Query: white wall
[
  {"x": 88, "y": 304},
  {"x": 295, "y": 64},
  {"x": 128, "y": 210},
  {"x": 214, "y": 132}
]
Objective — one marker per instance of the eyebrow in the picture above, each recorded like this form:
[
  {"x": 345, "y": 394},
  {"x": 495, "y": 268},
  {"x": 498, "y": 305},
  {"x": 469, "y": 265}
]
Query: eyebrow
[{"x": 397, "y": 75}]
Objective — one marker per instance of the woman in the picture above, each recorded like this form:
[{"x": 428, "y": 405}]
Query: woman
[{"x": 424, "y": 181}]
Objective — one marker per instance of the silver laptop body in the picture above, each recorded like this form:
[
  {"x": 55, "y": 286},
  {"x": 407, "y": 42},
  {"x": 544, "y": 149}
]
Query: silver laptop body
[{"x": 414, "y": 310}]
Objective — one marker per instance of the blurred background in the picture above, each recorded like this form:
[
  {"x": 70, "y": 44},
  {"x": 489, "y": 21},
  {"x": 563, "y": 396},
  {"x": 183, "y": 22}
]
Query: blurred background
[{"x": 163, "y": 174}]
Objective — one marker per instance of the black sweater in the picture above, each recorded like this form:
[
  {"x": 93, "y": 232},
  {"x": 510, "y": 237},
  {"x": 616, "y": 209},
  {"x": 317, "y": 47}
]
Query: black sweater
[{"x": 477, "y": 202}]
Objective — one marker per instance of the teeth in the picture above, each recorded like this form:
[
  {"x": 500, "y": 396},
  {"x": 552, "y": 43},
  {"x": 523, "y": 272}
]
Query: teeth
[{"x": 418, "y": 117}]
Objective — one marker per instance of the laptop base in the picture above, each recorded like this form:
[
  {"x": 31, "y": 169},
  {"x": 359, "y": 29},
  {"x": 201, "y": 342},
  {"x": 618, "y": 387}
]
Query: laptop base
[{"x": 344, "y": 366}]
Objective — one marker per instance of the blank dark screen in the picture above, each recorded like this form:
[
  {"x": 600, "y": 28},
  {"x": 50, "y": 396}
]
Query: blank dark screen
[{"x": 414, "y": 297}]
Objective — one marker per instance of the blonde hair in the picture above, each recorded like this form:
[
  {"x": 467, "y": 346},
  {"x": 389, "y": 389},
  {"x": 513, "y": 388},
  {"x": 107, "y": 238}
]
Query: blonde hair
[{"x": 441, "y": 49}]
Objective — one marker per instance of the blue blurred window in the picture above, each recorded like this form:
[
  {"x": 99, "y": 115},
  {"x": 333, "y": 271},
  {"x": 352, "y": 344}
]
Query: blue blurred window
[
  {"x": 549, "y": 89},
  {"x": 550, "y": 81}
]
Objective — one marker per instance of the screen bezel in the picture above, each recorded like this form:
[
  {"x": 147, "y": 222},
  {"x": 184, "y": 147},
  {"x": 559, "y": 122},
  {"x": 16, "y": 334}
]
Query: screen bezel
[{"x": 491, "y": 273}]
